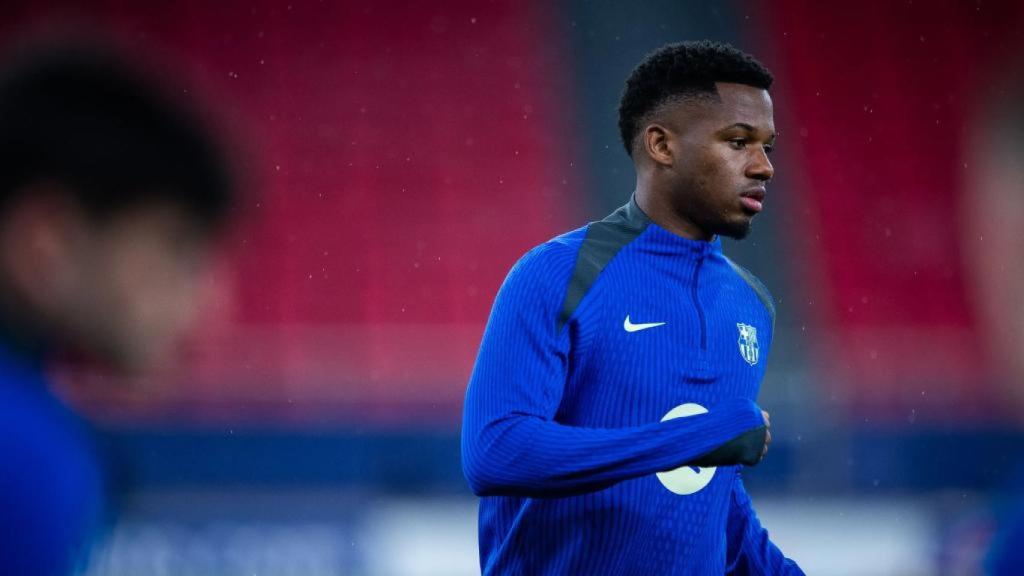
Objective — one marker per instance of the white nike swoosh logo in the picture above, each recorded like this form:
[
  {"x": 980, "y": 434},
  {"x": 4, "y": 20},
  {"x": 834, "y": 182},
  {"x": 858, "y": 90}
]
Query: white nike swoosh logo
[{"x": 630, "y": 327}]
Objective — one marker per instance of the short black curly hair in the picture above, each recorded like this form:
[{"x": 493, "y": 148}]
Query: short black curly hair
[
  {"x": 82, "y": 116},
  {"x": 681, "y": 70}
]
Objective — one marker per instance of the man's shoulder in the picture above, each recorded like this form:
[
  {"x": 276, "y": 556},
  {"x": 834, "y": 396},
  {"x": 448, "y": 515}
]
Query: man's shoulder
[
  {"x": 755, "y": 283},
  {"x": 50, "y": 475},
  {"x": 553, "y": 257},
  {"x": 34, "y": 422},
  {"x": 593, "y": 244},
  {"x": 542, "y": 273}
]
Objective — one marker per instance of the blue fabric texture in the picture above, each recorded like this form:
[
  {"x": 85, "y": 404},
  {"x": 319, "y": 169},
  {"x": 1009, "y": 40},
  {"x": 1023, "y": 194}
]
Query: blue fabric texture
[
  {"x": 565, "y": 430},
  {"x": 51, "y": 487}
]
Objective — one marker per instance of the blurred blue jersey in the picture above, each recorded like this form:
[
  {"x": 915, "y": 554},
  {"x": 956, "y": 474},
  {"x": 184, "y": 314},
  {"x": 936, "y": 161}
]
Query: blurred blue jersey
[
  {"x": 51, "y": 496},
  {"x": 614, "y": 355}
]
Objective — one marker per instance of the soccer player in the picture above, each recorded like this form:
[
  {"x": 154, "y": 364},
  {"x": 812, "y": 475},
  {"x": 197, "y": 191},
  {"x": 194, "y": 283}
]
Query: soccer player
[
  {"x": 109, "y": 197},
  {"x": 611, "y": 406}
]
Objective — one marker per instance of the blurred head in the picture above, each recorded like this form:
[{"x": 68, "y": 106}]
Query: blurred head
[
  {"x": 110, "y": 196},
  {"x": 697, "y": 120}
]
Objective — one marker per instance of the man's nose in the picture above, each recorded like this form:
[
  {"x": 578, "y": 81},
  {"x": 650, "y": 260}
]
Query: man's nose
[{"x": 761, "y": 167}]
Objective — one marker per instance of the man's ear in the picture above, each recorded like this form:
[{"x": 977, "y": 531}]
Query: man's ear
[
  {"x": 655, "y": 143},
  {"x": 37, "y": 244}
]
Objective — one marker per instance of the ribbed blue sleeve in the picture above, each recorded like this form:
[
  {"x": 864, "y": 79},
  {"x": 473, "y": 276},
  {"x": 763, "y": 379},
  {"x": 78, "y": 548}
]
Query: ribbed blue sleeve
[
  {"x": 749, "y": 551},
  {"x": 50, "y": 482},
  {"x": 511, "y": 444}
]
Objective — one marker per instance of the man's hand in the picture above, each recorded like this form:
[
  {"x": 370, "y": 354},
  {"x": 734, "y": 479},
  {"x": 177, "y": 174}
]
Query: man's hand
[
  {"x": 747, "y": 449},
  {"x": 768, "y": 433}
]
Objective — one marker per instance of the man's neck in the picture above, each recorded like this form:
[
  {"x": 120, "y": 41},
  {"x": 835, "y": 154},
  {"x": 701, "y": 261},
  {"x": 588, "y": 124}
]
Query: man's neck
[
  {"x": 18, "y": 332},
  {"x": 656, "y": 205}
]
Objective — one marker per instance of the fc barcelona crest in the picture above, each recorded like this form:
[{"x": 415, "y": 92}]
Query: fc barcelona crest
[{"x": 748, "y": 343}]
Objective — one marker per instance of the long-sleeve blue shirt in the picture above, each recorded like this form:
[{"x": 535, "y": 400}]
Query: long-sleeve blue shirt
[
  {"x": 51, "y": 481},
  {"x": 614, "y": 355}
]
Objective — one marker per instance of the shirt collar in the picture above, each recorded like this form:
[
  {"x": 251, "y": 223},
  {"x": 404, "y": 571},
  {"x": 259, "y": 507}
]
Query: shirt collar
[{"x": 663, "y": 239}]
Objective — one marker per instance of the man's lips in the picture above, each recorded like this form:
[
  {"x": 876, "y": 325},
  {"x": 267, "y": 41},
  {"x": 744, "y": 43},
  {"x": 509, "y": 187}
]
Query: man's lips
[{"x": 753, "y": 199}]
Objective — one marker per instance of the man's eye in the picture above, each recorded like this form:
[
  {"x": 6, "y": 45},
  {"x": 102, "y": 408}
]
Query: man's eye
[
  {"x": 769, "y": 148},
  {"x": 738, "y": 143}
]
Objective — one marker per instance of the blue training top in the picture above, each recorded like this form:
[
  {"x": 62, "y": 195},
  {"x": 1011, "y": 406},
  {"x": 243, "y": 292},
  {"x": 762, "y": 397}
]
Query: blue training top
[
  {"x": 614, "y": 355},
  {"x": 51, "y": 496}
]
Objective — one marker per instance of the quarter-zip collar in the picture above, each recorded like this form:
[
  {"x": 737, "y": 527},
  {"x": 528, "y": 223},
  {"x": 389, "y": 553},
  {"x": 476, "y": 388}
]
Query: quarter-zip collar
[{"x": 661, "y": 240}]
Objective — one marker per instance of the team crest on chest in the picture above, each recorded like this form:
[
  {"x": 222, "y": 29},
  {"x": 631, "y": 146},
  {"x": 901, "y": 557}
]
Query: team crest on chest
[{"x": 748, "y": 343}]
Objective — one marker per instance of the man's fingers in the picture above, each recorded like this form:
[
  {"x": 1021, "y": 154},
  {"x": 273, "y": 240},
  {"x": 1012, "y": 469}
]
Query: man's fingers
[
  {"x": 768, "y": 432},
  {"x": 746, "y": 449}
]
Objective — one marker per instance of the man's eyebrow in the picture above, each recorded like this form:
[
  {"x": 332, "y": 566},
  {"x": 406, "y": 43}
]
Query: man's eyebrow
[
  {"x": 743, "y": 125},
  {"x": 747, "y": 127}
]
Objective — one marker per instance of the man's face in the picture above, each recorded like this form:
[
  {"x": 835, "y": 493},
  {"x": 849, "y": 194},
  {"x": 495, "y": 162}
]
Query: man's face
[
  {"x": 720, "y": 163},
  {"x": 129, "y": 283}
]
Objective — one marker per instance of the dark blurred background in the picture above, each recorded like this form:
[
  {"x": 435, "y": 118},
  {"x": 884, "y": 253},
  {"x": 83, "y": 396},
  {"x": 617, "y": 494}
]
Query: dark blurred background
[{"x": 400, "y": 156}]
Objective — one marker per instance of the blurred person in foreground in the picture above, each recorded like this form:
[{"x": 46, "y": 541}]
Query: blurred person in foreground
[
  {"x": 110, "y": 196},
  {"x": 612, "y": 402},
  {"x": 994, "y": 214}
]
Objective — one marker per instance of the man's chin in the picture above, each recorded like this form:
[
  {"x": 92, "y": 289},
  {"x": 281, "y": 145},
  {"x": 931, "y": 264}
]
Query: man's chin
[
  {"x": 735, "y": 230},
  {"x": 127, "y": 357}
]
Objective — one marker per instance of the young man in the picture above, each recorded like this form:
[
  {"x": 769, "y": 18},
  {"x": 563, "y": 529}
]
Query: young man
[
  {"x": 109, "y": 197},
  {"x": 612, "y": 401}
]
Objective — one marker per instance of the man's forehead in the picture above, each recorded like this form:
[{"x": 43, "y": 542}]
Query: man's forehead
[
  {"x": 739, "y": 103},
  {"x": 735, "y": 104}
]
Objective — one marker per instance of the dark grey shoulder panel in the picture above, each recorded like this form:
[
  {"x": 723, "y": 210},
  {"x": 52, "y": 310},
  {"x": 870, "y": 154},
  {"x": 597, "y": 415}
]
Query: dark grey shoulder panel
[
  {"x": 759, "y": 288},
  {"x": 602, "y": 242}
]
